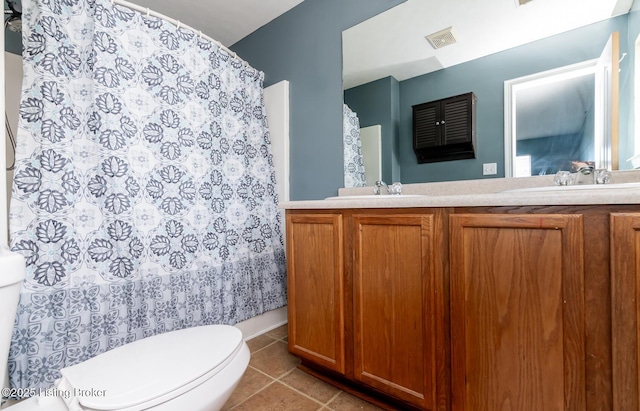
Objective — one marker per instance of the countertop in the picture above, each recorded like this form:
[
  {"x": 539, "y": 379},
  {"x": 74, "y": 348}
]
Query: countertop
[{"x": 485, "y": 192}]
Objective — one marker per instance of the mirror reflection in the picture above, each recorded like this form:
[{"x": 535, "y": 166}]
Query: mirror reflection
[
  {"x": 553, "y": 125},
  {"x": 381, "y": 82},
  {"x": 564, "y": 117},
  {"x": 354, "y": 174}
]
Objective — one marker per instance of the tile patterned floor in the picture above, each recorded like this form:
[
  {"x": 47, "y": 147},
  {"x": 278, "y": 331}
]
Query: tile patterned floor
[{"x": 273, "y": 383}]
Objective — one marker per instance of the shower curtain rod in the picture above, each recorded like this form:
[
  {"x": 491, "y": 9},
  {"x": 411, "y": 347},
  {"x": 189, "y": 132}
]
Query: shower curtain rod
[{"x": 178, "y": 25}]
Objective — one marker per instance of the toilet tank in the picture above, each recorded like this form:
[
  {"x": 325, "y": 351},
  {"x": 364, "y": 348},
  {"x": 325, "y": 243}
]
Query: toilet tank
[{"x": 12, "y": 273}]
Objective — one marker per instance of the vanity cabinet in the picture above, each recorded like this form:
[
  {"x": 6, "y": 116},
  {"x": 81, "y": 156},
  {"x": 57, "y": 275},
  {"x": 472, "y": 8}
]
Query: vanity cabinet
[
  {"x": 517, "y": 312},
  {"x": 470, "y": 308}
]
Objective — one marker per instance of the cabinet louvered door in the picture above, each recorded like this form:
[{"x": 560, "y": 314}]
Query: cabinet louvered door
[
  {"x": 394, "y": 302},
  {"x": 456, "y": 120},
  {"x": 427, "y": 125},
  {"x": 315, "y": 275},
  {"x": 517, "y": 312}
]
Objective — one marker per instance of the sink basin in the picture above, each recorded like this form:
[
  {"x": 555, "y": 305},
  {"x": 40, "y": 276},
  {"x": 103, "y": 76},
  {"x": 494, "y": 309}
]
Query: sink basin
[
  {"x": 376, "y": 197},
  {"x": 576, "y": 188}
]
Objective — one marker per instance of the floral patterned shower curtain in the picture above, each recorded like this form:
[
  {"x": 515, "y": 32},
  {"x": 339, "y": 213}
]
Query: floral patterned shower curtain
[
  {"x": 144, "y": 196},
  {"x": 354, "y": 175}
]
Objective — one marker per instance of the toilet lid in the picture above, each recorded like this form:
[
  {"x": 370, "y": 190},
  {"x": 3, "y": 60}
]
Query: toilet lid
[{"x": 153, "y": 370}]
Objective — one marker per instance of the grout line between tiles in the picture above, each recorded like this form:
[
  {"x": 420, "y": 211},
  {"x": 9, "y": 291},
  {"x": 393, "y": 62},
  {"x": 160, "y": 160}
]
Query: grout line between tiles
[
  {"x": 262, "y": 348},
  {"x": 273, "y": 381},
  {"x": 252, "y": 395},
  {"x": 279, "y": 379},
  {"x": 325, "y": 404},
  {"x": 333, "y": 398},
  {"x": 322, "y": 406},
  {"x": 275, "y": 340},
  {"x": 263, "y": 373}
]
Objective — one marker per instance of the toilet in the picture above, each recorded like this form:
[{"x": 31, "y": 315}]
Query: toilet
[{"x": 193, "y": 369}]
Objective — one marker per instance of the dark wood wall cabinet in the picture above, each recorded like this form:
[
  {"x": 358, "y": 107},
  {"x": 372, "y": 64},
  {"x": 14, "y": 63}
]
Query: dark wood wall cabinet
[
  {"x": 445, "y": 129},
  {"x": 475, "y": 308}
]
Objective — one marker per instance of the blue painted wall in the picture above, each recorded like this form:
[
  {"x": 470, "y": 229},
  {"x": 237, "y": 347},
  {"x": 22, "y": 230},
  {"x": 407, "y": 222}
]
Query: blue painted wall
[
  {"x": 485, "y": 77},
  {"x": 13, "y": 42},
  {"x": 304, "y": 46},
  {"x": 378, "y": 102}
]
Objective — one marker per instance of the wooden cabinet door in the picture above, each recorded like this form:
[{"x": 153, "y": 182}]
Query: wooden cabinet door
[
  {"x": 517, "y": 312},
  {"x": 393, "y": 282},
  {"x": 315, "y": 271},
  {"x": 625, "y": 316}
]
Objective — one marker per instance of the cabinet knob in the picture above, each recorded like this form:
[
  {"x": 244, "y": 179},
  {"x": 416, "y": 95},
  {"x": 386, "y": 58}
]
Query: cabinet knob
[
  {"x": 442, "y": 122},
  {"x": 437, "y": 123}
]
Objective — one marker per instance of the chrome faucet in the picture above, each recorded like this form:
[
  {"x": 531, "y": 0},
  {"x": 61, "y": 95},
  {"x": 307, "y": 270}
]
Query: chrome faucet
[
  {"x": 582, "y": 174},
  {"x": 380, "y": 183},
  {"x": 395, "y": 189}
]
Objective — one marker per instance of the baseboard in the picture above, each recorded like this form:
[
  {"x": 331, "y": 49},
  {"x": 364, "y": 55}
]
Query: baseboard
[{"x": 261, "y": 324}]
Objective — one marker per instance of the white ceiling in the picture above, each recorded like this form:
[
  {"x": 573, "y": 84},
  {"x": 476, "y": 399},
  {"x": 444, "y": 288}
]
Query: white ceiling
[
  {"x": 226, "y": 21},
  {"x": 393, "y": 43}
]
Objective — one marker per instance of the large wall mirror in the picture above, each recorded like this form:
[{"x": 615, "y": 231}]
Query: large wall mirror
[
  {"x": 389, "y": 65},
  {"x": 558, "y": 119}
]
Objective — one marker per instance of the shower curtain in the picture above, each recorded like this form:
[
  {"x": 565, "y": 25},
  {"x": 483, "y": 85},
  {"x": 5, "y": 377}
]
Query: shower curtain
[
  {"x": 144, "y": 196},
  {"x": 353, "y": 163}
]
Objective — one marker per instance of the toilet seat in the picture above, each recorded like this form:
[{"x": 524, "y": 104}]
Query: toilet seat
[{"x": 150, "y": 371}]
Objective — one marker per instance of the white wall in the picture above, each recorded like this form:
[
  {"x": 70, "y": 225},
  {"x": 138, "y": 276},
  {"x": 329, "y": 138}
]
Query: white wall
[
  {"x": 371, "y": 139},
  {"x": 276, "y": 101}
]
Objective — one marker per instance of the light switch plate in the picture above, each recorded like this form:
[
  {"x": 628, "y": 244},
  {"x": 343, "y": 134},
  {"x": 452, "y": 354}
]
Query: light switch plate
[{"x": 489, "y": 169}]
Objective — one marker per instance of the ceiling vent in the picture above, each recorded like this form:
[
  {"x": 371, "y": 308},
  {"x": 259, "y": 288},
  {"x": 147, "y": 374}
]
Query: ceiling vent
[{"x": 443, "y": 37}]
